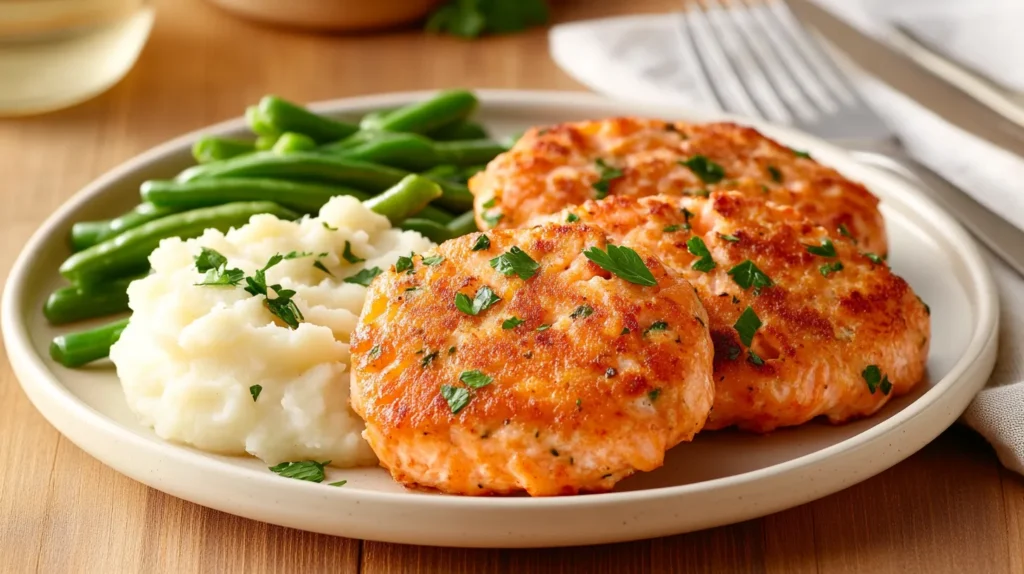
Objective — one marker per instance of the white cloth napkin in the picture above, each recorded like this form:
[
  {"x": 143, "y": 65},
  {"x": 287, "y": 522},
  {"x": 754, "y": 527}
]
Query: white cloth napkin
[{"x": 640, "y": 58}]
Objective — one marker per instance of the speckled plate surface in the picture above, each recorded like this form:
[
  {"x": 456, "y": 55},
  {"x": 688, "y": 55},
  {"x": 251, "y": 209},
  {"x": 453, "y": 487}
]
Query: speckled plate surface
[{"x": 720, "y": 478}]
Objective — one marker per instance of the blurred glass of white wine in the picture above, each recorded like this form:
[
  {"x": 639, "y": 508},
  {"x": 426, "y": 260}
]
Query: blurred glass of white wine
[{"x": 56, "y": 53}]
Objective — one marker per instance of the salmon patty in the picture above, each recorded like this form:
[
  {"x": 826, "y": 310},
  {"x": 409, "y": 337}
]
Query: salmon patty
[
  {"x": 804, "y": 323},
  {"x": 549, "y": 169},
  {"x": 511, "y": 361}
]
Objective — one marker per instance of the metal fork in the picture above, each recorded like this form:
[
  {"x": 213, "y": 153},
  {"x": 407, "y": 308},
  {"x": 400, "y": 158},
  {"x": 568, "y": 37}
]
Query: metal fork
[{"x": 756, "y": 60}]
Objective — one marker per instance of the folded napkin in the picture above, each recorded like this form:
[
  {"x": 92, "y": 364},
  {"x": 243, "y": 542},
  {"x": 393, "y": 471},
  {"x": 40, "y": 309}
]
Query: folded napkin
[{"x": 639, "y": 58}]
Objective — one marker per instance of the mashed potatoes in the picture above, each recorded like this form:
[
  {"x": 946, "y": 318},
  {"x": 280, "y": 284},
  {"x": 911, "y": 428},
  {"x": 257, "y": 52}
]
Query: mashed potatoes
[{"x": 192, "y": 356}]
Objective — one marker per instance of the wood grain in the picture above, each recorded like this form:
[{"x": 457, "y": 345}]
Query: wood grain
[{"x": 949, "y": 508}]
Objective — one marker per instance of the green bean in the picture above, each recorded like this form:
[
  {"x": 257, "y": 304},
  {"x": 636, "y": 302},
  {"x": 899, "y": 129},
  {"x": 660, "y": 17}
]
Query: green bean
[
  {"x": 373, "y": 120},
  {"x": 266, "y": 142},
  {"x": 325, "y": 168},
  {"x": 467, "y": 152},
  {"x": 351, "y": 141},
  {"x": 259, "y": 124},
  {"x": 77, "y": 349},
  {"x": 302, "y": 197},
  {"x": 290, "y": 142},
  {"x": 212, "y": 148},
  {"x": 432, "y": 230},
  {"x": 453, "y": 173},
  {"x": 435, "y": 214},
  {"x": 460, "y": 130},
  {"x": 417, "y": 153},
  {"x": 423, "y": 117},
  {"x": 406, "y": 198},
  {"x": 284, "y": 116},
  {"x": 76, "y": 303},
  {"x": 463, "y": 224},
  {"x": 128, "y": 252},
  {"x": 85, "y": 234}
]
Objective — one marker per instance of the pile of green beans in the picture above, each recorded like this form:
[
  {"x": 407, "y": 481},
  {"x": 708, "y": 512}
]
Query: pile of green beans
[{"x": 410, "y": 164}]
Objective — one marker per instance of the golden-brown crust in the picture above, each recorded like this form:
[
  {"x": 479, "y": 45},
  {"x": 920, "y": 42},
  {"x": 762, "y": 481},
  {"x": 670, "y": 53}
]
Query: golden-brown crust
[
  {"x": 553, "y": 168},
  {"x": 819, "y": 333},
  {"x": 570, "y": 407}
]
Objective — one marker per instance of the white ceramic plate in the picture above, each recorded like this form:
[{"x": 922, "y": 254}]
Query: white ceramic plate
[{"x": 720, "y": 478}]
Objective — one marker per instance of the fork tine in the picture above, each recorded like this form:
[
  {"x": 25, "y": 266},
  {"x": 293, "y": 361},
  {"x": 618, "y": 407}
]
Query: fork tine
[{"x": 715, "y": 65}]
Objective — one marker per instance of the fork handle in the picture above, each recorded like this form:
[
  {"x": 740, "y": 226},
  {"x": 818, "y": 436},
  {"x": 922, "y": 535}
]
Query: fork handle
[{"x": 1002, "y": 237}]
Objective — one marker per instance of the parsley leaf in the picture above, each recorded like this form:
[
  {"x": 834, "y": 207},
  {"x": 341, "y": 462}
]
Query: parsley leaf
[
  {"x": 481, "y": 243},
  {"x": 310, "y": 470},
  {"x": 515, "y": 261},
  {"x": 846, "y": 233},
  {"x": 284, "y": 307},
  {"x": 429, "y": 358},
  {"x": 208, "y": 260},
  {"x": 687, "y": 214},
  {"x": 572, "y": 218},
  {"x": 607, "y": 175},
  {"x": 475, "y": 379},
  {"x": 696, "y": 246},
  {"x": 432, "y": 260},
  {"x": 328, "y": 227},
  {"x": 347, "y": 254},
  {"x": 483, "y": 300},
  {"x": 799, "y": 153},
  {"x": 747, "y": 325},
  {"x": 654, "y": 394},
  {"x": 827, "y": 248},
  {"x": 489, "y": 203},
  {"x": 297, "y": 254},
  {"x": 404, "y": 264},
  {"x": 671, "y": 228},
  {"x": 754, "y": 358},
  {"x": 339, "y": 483},
  {"x": 364, "y": 277},
  {"x": 222, "y": 277},
  {"x": 873, "y": 377},
  {"x": 732, "y": 352},
  {"x": 457, "y": 397},
  {"x": 543, "y": 327},
  {"x": 511, "y": 323},
  {"x": 747, "y": 275},
  {"x": 582, "y": 311},
  {"x": 829, "y": 268},
  {"x": 623, "y": 262},
  {"x": 255, "y": 391},
  {"x": 729, "y": 238},
  {"x": 707, "y": 170},
  {"x": 775, "y": 173},
  {"x": 374, "y": 352},
  {"x": 874, "y": 258},
  {"x": 492, "y": 219},
  {"x": 927, "y": 309},
  {"x": 625, "y": 331},
  {"x": 656, "y": 326}
]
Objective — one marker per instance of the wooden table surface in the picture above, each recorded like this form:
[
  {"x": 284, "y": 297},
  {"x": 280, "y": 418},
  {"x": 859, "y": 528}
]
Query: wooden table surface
[{"x": 949, "y": 508}]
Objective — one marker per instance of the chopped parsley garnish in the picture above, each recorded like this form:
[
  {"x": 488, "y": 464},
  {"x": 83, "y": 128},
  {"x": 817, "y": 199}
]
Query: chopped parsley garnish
[
  {"x": 347, "y": 254},
  {"x": 543, "y": 327},
  {"x": 282, "y": 306},
  {"x": 475, "y": 379},
  {"x": 482, "y": 301},
  {"x": 707, "y": 170},
  {"x": 799, "y": 153},
  {"x": 747, "y": 325},
  {"x": 481, "y": 243},
  {"x": 582, "y": 311},
  {"x": 572, "y": 218},
  {"x": 255, "y": 391},
  {"x": 413, "y": 288},
  {"x": 432, "y": 260},
  {"x": 764, "y": 189},
  {"x": 671, "y": 228},
  {"x": 428, "y": 358},
  {"x": 214, "y": 265},
  {"x": 623, "y": 262},
  {"x": 687, "y": 214},
  {"x": 457, "y": 397},
  {"x": 754, "y": 358},
  {"x": 364, "y": 277},
  {"x": 451, "y": 350},
  {"x": 404, "y": 264},
  {"x": 607, "y": 175},
  {"x": 927, "y": 309},
  {"x": 826, "y": 249},
  {"x": 328, "y": 227},
  {"x": 374, "y": 352},
  {"x": 732, "y": 352},
  {"x": 624, "y": 331},
  {"x": 511, "y": 323},
  {"x": 310, "y": 470},
  {"x": 846, "y": 233},
  {"x": 747, "y": 275},
  {"x": 656, "y": 326},
  {"x": 297, "y": 254},
  {"x": 339, "y": 483},
  {"x": 830, "y": 268},
  {"x": 488, "y": 204},
  {"x": 515, "y": 261},
  {"x": 874, "y": 258},
  {"x": 654, "y": 394},
  {"x": 775, "y": 173},
  {"x": 696, "y": 246},
  {"x": 492, "y": 219},
  {"x": 727, "y": 237},
  {"x": 320, "y": 265},
  {"x": 873, "y": 377}
]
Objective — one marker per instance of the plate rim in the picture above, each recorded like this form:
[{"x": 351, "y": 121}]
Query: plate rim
[{"x": 40, "y": 384}]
